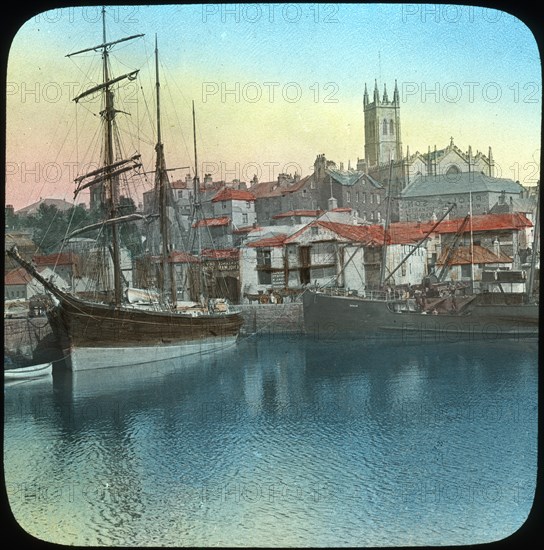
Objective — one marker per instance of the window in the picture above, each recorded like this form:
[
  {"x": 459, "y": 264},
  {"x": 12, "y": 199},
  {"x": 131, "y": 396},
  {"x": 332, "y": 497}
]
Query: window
[
  {"x": 244, "y": 218},
  {"x": 348, "y": 196},
  {"x": 312, "y": 183},
  {"x": 377, "y": 199},
  {"x": 248, "y": 204},
  {"x": 371, "y": 198},
  {"x": 264, "y": 261},
  {"x": 452, "y": 170},
  {"x": 364, "y": 198},
  {"x": 403, "y": 269},
  {"x": 391, "y": 127},
  {"x": 466, "y": 271},
  {"x": 356, "y": 196},
  {"x": 379, "y": 216},
  {"x": 384, "y": 127},
  {"x": 315, "y": 230},
  {"x": 224, "y": 205}
]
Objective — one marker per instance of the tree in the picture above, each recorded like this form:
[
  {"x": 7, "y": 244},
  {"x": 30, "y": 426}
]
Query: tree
[{"x": 49, "y": 227}]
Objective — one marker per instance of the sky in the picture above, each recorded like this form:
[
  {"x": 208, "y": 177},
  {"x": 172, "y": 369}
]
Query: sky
[{"x": 274, "y": 85}]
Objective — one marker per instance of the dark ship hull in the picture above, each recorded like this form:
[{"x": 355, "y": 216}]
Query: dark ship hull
[
  {"x": 96, "y": 335},
  {"x": 380, "y": 320}
]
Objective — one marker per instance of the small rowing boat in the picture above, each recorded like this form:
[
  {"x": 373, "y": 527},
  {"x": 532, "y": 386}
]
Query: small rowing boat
[{"x": 34, "y": 371}]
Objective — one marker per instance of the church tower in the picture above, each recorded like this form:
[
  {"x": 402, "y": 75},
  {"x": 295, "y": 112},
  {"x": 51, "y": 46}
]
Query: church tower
[{"x": 382, "y": 127}]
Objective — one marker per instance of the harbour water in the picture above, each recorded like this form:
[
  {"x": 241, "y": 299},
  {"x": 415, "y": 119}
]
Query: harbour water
[{"x": 280, "y": 441}]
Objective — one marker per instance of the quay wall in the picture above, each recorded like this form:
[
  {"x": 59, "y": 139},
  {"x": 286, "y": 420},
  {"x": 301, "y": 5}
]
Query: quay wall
[
  {"x": 267, "y": 319},
  {"x": 24, "y": 336}
]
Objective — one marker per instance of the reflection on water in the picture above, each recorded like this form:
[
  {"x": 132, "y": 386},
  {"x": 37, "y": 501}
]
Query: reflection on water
[{"x": 280, "y": 441}]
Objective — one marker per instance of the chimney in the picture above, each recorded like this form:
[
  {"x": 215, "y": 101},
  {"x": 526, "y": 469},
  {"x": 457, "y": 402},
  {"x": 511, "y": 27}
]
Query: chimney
[{"x": 333, "y": 203}]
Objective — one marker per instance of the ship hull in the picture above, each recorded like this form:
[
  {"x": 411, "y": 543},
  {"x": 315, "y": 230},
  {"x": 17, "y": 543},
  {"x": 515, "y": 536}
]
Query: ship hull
[
  {"x": 336, "y": 317},
  {"x": 99, "y": 336}
]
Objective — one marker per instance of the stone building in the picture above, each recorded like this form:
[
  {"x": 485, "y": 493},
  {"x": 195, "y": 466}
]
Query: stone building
[
  {"x": 419, "y": 182},
  {"x": 329, "y": 253},
  {"x": 18, "y": 284},
  {"x": 237, "y": 204},
  {"x": 348, "y": 188},
  {"x": 429, "y": 196}
]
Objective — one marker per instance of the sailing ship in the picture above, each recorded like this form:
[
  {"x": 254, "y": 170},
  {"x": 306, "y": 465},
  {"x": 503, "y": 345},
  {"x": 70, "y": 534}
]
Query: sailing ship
[
  {"x": 112, "y": 331},
  {"x": 393, "y": 315}
]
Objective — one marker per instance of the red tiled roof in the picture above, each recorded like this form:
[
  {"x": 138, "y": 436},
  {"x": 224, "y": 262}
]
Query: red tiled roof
[
  {"x": 276, "y": 240},
  {"x": 481, "y": 222},
  {"x": 342, "y": 209},
  {"x": 307, "y": 213},
  {"x": 371, "y": 235},
  {"x": 242, "y": 230},
  {"x": 61, "y": 258},
  {"x": 406, "y": 233},
  {"x": 180, "y": 257},
  {"x": 179, "y": 184},
  {"x": 221, "y": 254},
  {"x": 212, "y": 222},
  {"x": 479, "y": 255},
  {"x": 19, "y": 276},
  {"x": 272, "y": 189},
  {"x": 227, "y": 194},
  {"x": 487, "y": 222}
]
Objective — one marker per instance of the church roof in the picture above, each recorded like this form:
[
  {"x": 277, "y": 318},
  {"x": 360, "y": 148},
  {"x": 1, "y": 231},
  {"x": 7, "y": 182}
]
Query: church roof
[{"x": 462, "y": 182}]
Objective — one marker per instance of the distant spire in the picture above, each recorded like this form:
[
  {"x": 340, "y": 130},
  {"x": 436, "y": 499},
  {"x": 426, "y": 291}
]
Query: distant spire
[
  {"x": 376, "y": 93},
  {"x": 385, "y": 98},
  {"x": 491, "y": 164},
  {"x": 365, "y": 97},
  {"x": 396, "y": 93}
]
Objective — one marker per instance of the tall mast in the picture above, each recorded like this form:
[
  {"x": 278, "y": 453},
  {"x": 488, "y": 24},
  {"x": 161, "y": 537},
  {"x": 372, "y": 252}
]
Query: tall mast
[
  {"x": 471, "y": 246},
  {"x": 386, "y": 226},
  {"x": 108, "y": 175},
  {"x": 535, "y": 249},
  {"x": 197, "y": 205},
  {"x": 110, "y": 188},
  {"x": 161, "y": 184}
]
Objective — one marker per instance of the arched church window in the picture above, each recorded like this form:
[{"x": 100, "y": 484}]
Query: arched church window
[
  {"x": 391, "y": 127},
  {"x": 384, "y": 131},
  {"x": 453, "y": 170}
]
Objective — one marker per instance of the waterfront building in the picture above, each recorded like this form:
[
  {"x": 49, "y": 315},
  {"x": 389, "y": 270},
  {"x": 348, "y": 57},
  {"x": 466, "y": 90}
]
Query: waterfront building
[
  {"x": 18, "y": 284},
  {"x": 238, "y": 205}
]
